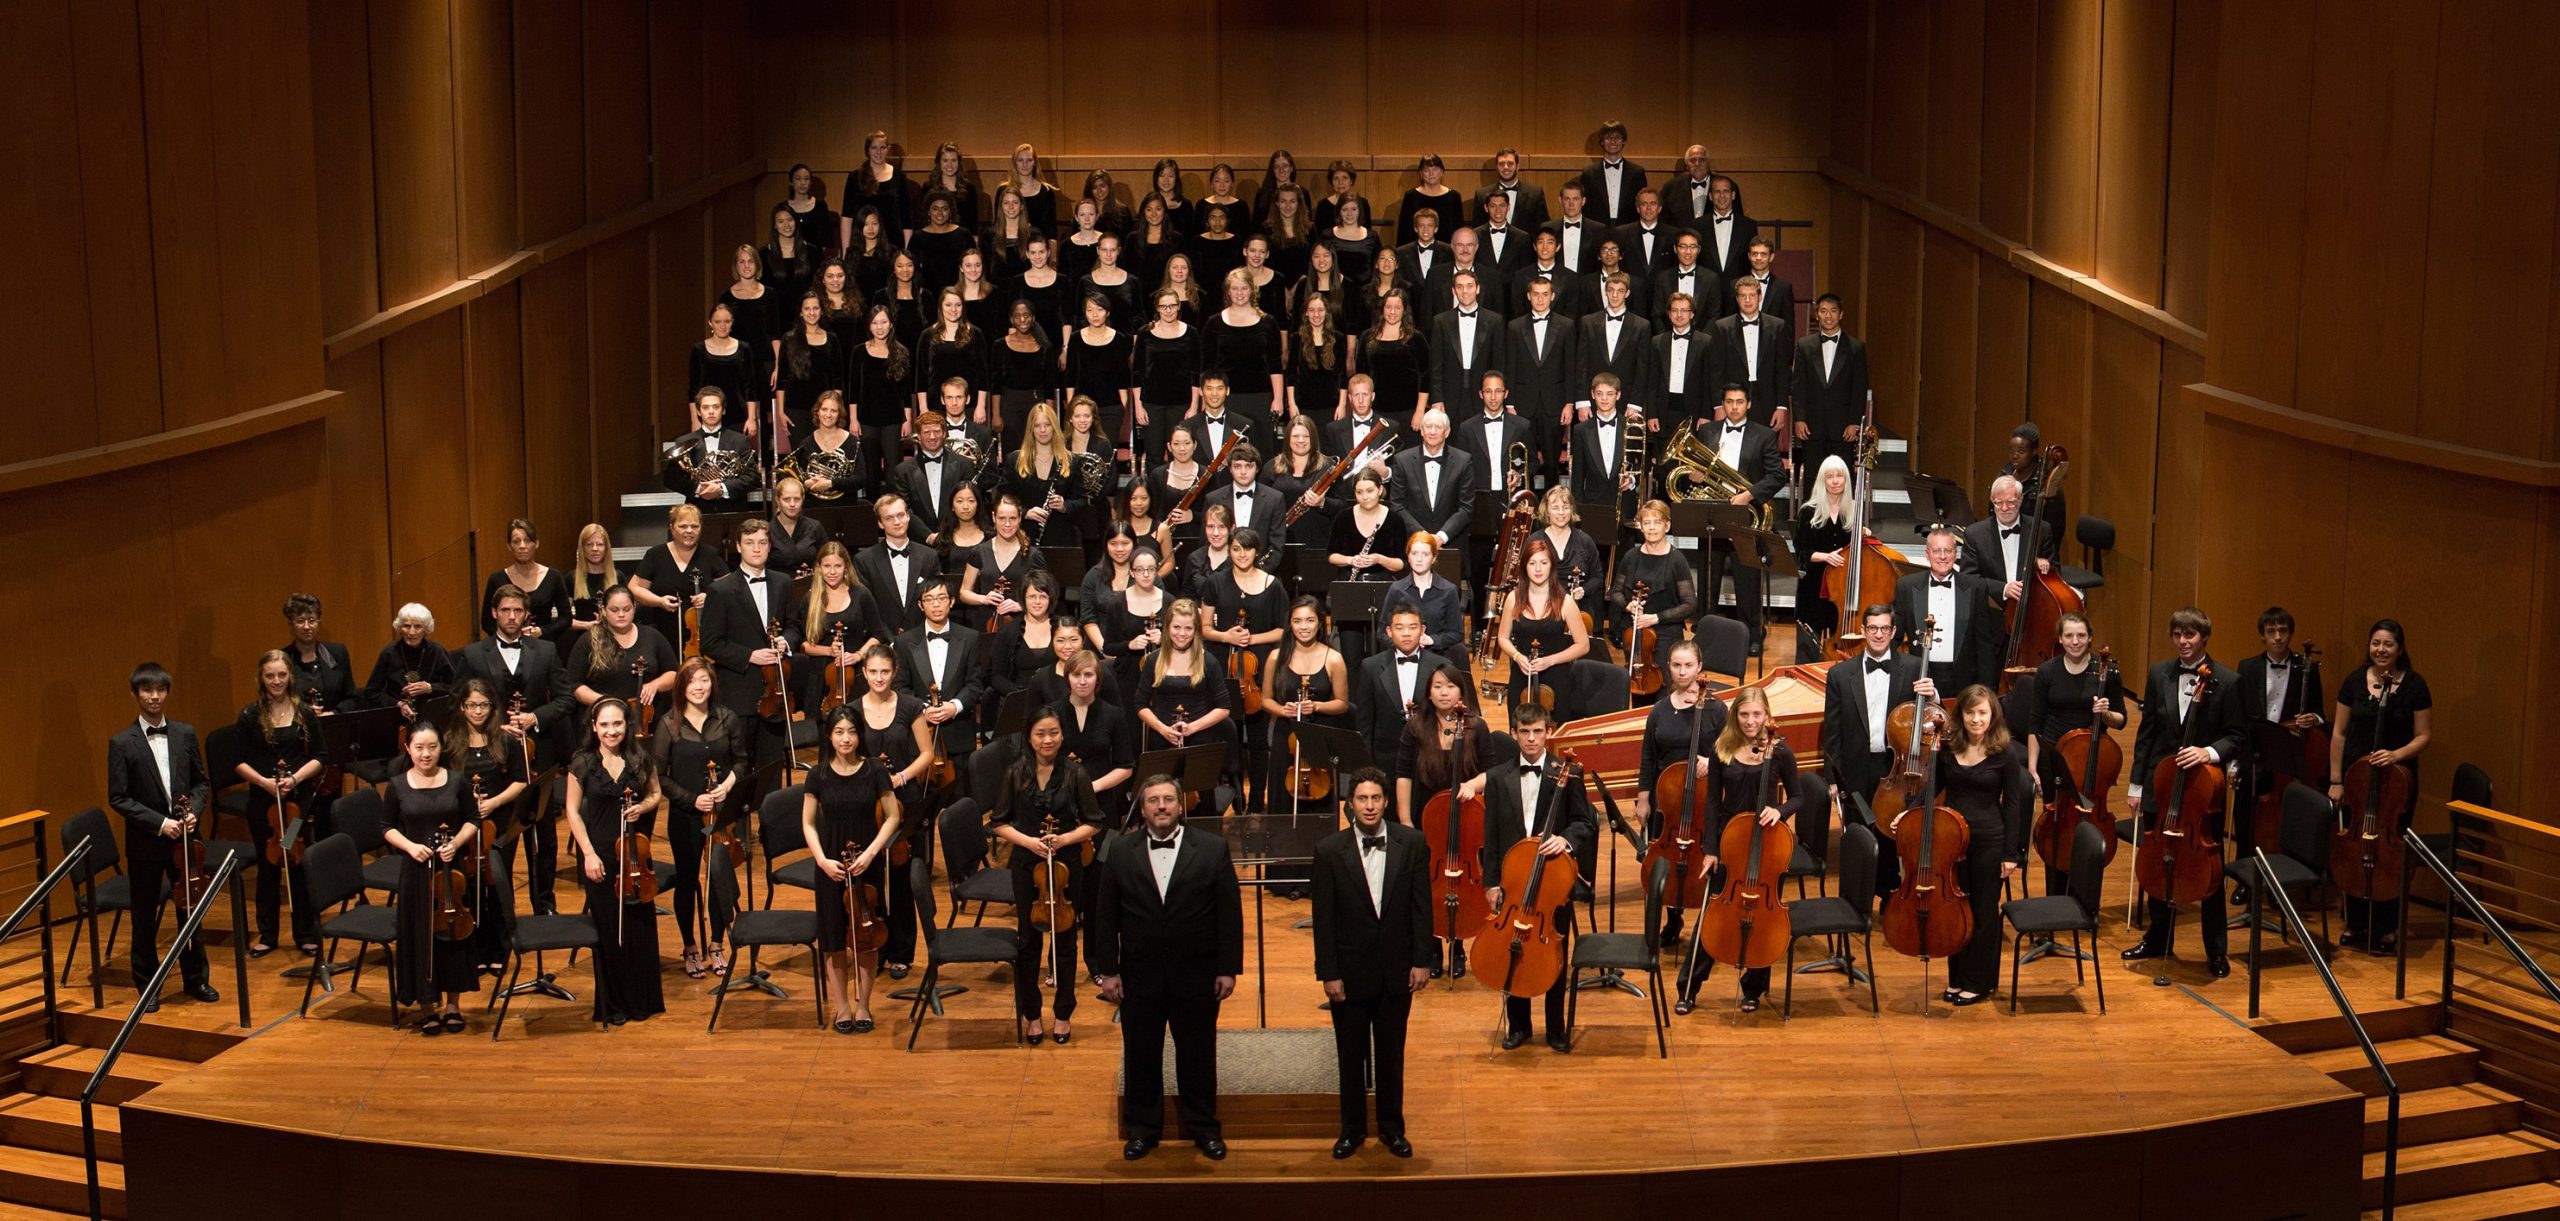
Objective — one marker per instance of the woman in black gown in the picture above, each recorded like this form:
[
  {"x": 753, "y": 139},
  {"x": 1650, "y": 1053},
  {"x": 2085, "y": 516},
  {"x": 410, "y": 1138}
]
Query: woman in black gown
[
  {"x": 1151, "y": 241},
  {"x": 911, "y": 308},
  {"x": 1167, "y": 359},
  {"x": 987, "y": 305},
  {"x": 1117, "y": 284},
  {"x": 790, "y": 264},
  {"x": 1982, "y": 773},
  {"x": 1008, "y": 236},
  {"x": 938, "y": 244},
  {"x": 1822, "y": 545},
  {"x": 883, "y": 393},
  {"x": 591, "y": 572},
  {"x": 412, "y": 667},
  {"x": 847, "y": 809},
  {"x": 819, "y": 225},
  {"x": 701, "y": 755},
  {"x": 725, "y": 360},
  {"x": 1306, "y": 682},
  {"x": 1294, "y": 473},
  {"x": 953, "y": 347},
  {"x": 612, "y": 785},
  {"x": 1443, "y": 750},
  {"x": 950, "y": 178},
  {"x": 1319, "y": 360},
  {"x": 1289, "y": 222},
  {"x": 995, "y": 573},
  {"x": 1541, "y": 627},
  {"x": 1670, "y": 581},
  {"x": 813, "y": 363},
  {"x": 878, "y": 184},
  {"x": 1218, "y": 249},
  {"x": 1249, "y": 611},
  {"x": 2381, "y": 730},
  {"x": 491, "y": 758},
  {"x": 1109, "y": 214},
  {"x": 1175, "y": 277},
  {"x": 1098, "y": 367},
  {"x": 1244, "y": 347},
  {"x": 279, "y": 740},
  {"x": 1242, "y": 217},
  {"x": 899, "y": 741},
  {"x": 622, "y": 659},
  {"x": 1752, "y": 773},
  {"x": 1443, "y": 610},
  {"x": 673, "y": 574},
  {"x": 839, "y": 623},
  {"x": 2071, "y": 690},
  {"x": 1125, "y": 624},
  {"x": 1049, "y": 685},
  {"x": 873, "y": 245},
  {"x": 424, "y": 801},
  {"x": 757, "y": 320},
  {"x": 546, "y": 589},
  {"x": 1023, "y": 643},
  {"x": 1433, "y": 195},
  {"x": 1183, "y": 700},
  {"x": 1674, "y": 737},
  {"x": 1039, "y": 282},
  {"x": 1393, "y": 355},
  {"x": 840, "y": 303},
  {"x": 1038, "y": 197},
  {"x": 1577, "y": 558},
  {"x": 1025, "y": 372},
  {"x": 1046, "y": 810},
  {"x": 1101, "y": 733},
  {"x": 1080, "y": 247}
]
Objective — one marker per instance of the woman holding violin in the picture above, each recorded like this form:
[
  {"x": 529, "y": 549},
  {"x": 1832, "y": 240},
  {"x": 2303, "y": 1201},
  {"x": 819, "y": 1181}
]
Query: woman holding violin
[
  {"x": 896, "y": 736},
  {"x": 430, "y": 825},
  {"x": 2384, "y": 710},
  {"x": 994, "y": 573},
  {"x": 841, "y": 817},
  {"x": 1249, "y": 608},
  {"x": 1752, "y": 773},
  {"x": 1443, "y": 751},
  {"x": 670, "y": 578},
  {"x": 1541, "y": 624},
  {"x": 840, "y": 623},
  {"x": 278, "y": 738},
  {"x": 701, "y": 756},
  {"x": 1127, "y": 625},
  {"x": 1307, "y": 682},
  {"x": 611, "y": 783},
  {"x": 1666, "y": 572},
  {"x": 1100, "y": 733},
  {"x": 1046, "y": 810},
  {"x": 2072, "y": 690},
  {"x": 492, "y": 760},
  {"x": 1577, "y": 557},
  {"x": 1671, "y": 734},
  {"x": 1983, "y": 776}
]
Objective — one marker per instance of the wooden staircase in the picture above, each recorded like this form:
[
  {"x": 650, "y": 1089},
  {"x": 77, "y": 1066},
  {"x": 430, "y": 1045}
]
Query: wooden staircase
[
  {"x": 42, "y": 1171},
  {"x": 2465, "y": 1151}
]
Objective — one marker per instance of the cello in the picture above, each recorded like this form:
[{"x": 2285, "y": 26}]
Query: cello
[
  {"x": 2181, "y": 860},
  {"x": 1679, "y": 800},
  {"x": 2364, "y": 858},
  {"x": 1455, "y": 831},
  {"x": 2035, "y": 619},
  {"x": 2267, "y": 813},
  {"x": 1746, "y": 923},
  {"x": 1929, "y": 916},
  {"x": 1522, "y": 952},
  {"x": 2091, "y": 761}
]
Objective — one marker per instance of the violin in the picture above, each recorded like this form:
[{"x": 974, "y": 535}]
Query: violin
[
  {"x": 2267, "y": 814},
  {"x": 939, "y": 773},
  {"x": 1244, "y": 669},
  {"x": 2091, "y": 761},
  {"x": 648, "y": 708},
  {"x": 1538, "y": 692},
  {"x": 281, "y": 817},
  {"x": 1679, "y": 802},
  {"x": 724, "y": 834},
  {"x": 2035, "y": 619},
  {"x": 839, "y": 675},
  {"x": 480, "y": 871},
  {"x": 1929, "y": 916},
  {"x": 2180, "y": 861},
  {"x": 689, "y": 621},
  {"x": 901, "y": 850},
  {"x": 1002, "y": 591},
  {"x": 449, "y": 892},
  {"x": 1455, "y": 831},
  {"x": 866, "y": 926},
  {"x": 193, "y": 876},
  {"x": 1306, "y": 782},
  {"x": 1573, "y": 589},
  {"x": 776, "y": 700},
  {"x": 2364, "y": 857},
  {"x": 1746, "y": 923},
  {"x": 1522, "y": 951},
  {"x": 1053, "y": 904},
  {"x": 1644, "y": 674},
  {"x": 635, "y": 877}
]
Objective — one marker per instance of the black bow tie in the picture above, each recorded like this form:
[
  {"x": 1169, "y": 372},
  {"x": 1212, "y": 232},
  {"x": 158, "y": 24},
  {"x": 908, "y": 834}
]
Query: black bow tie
[
  {"x": 1730, "y": 429},
  {"x": 1942, "y": 582},
  {"x": 933, "y": 636},
  {"x": 1722, "y": 219},
  {"x": 2008, "y": 531},
  {"x": 1540, "y": 319},
  {"x": 897, "y": 553},
  {"x": 1614, "y": 164},
  {"x": 1466, "y": 313},
  {"x": 930, "y": 459},
  {"x": 1875, "y": 666},
  {"x": 1373, "y": 843},
  {"x": 1606, "y": 421},
  {"x": 1830, "y": 339},
  {"x": 2279, "y": 665},
  {"x": 1573, "y": 224},
  {"x": 2186, "y": 671},
  {"x": 1751, "y": 321},
  {"x": 1431, "y": 462},
  {"x": 1413, "y": 660},
  {"x": 155, "y": 731},
  {"x": 511, "y": 645},
  {"x": 1164, "y": 845},
  {"x": 1617, "y": 317}
]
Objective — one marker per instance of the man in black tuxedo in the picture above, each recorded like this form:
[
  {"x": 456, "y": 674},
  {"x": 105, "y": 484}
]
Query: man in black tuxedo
[
  {"x": 1647, "y": 243},
  {"x": 1250, "y": 503},
  {"x": 1993, "y": 546},
  {"x": 1434, "y": 483},
  {"x": 738, "y": 610},
  {"x": 1680, "y": 361},
  {"x": 1830, "y": 386},
  {"x": 1685, "y": 274},
  {"x": 1362, "y": 418},
  {"x": 958, "y": 423},
  {"x": 1966, "y": 649},
  {"x": 927, "y": 480},
  {"x": 2172, "y": 717},
  {"x": 1216, "y": 418},
  {"x": 1857, "y": 752},
  {"x": 1578, "y": 237},
  {"x": 2276, "y": 688},
  {"x": 1389, "y": 684},
  {"x": 1544, "y": 352},
  {"x": 1466, "y": 340},
  {"x": 1424, "y": 260},
  {"x": 1487, "y": 436},
  {"x": 518, "y": 665},
  {"x": 152, "y": 765},
  {"x": 1690, "y": 194},
  {"x": 1500, "y": 242},
  {"x": 322, "y": 671},
  {"x": 1374, "y": 950},
  {"x": 938, "y": 663},
  {"x": 1614, "y": 339},
  {"x": 1524, "y": 203},
  {"x": 1750, "y": 349},
  {"x": 1726, "y": 232},
  {"x": 1576, "y": 294},
  {"x": 713, "y": 466},
  {"x": 1613, "y": 182},
  {"x": 1168, "y": 944},
  {"x": 1466, "y": 254},
  {"x": 896, "y": 568},
  {"x": 1599, "y": 446},
  {"x": 1777, "y": 296},
  {"x": 1751, "y": 449},
  {"x": 1521, "y": 800}
]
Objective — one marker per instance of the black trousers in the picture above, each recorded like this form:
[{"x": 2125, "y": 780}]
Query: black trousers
[
  {"x": 1976, "y": 967},
  {"x": 1365, "y": 1033},
  {"x": 1515, "y": 1009},
  {"x": 154, "y": 882},
  {"x": 1694, "y": 968},
  {"x": 542, "y": 863},
  {"x": 878, "y": 448},
  {"x": 1193, "y": 1022},
  {"x": 1034, "y": 940},
  {"x": 2211, "y": 913}
]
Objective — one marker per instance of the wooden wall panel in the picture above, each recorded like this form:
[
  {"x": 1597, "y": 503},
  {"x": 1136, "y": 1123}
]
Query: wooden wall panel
[
  {"x": 1853, "y": 59},
  {"x": 36, "y": 83},
  {"x": 551, "y": 156},
  {"x": 1111, "y": 53},
  {"x": 493, "y": 355},
  {"x": 1944, "y": 444},
  {"x": 2009, "y": 48},
  {"x": 2194, "y": 61},
  {"x": 2058, "y": 365},
  {"x": 1270, "y": 95},
  {"x": 262, "y": 201},
  {"x": 556, "y": 434},
  {"x": 618, "y": 363},
  {"x": 616, "y": 105},
  {"x": 1954, "y": 105},
  {"x": 1898, "y": 131},
  {"x": 2261, "y": 127},
  {"x": 484, "y": 116},
  {"x": 1780, "y": 60},
  {"x": 676, "y": 133},
  {"x": 979, "y": 73},
  {"x": 1642, "y": 82},
  {"x": 2000, "y": 361},
  {"x": 2111, "y": 470},
  {"x": 1847, "y": 273},
  {"x": 182, "y": 149},
  {"x": 116, "y": 345},
  {"x": 677, "y": 253},
  {"x": 2542, "y": 661},
  {"x": 411, "y": 66},
  {"x": 2135, "y": 44},
  {"x": 425, "y": 446},
  {"x": 1895, "y": 327},
  {"x": 342, "y": 138},
  {"x": 2066, "y": 147},
  {"x": 1463, "y": 125},
  {"x": 729, "y": 116},
  {"x": 355, "y": 597}
]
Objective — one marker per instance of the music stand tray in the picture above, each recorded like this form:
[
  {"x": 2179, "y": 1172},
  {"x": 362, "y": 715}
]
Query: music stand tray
[
  {"x": 1198, "y": 769},
  {"x": 1355, "y": 601},
  {"x": 1598, "y": 520},
  {"x": 359, "y": 734},
  {"x": 1014, "y": 714}
]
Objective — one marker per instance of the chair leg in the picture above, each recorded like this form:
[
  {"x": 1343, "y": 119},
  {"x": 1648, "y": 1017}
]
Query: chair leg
[
  {"x": 1874, "y": 1006},
  {"x": 1572, "y": 1000},
  {"x": 915, "y": 1012},
  {"x": 1661, "y": 1011},
  {"x": 507, "y": 995},
  {"x": 1787, "y": 1008},
  {"x": 2015, "y": 944},
  {"x": 115, "y": 925},
  {"x": 2079, "y": 961},
  {"x": 2094, "y": 951},
  {"x": 311, "y": 981},
  {"x": 817, "y": 979}
]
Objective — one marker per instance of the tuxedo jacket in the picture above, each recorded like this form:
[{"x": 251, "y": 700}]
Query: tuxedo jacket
[
  {"x": 1681, "y": 205},
  {"x": 1516, "y": 251},
  {"x": 1340, "y": 435},
  {"x": 1472, "y": 435},
  {"x": 1732, "y": 367},
  {"x": 1267, "y": 504},
  {"x": 1493, "y": 291},
  {"x": 1231, "y": 419},
  {"x": 1419, "y": 280},
  {"x": 2217, "y": 726},
  {"x": 1983, "y": 556},
  {"x": 1828, "y": 403},
  {"x": 1373, "y": 949},
  {"x": 1377, "y": 703},
  {"x": 1505, "y": 817},
  {"x": 540, "y": 676},
  {"x": 1577, "y": 292},
  {"x": 1777, "y": 298},
  {"x": 1703, "y": 285},
  {"x": 688, "y": 448},
  {"x": 1449, "y": 511},
  {"x": 1844, "y": 718},
  {"x": 1593, "y": 479},
  {"x": 1595, "y": 191},
  {"x": 1698, "y": 391},
  {"x": 1174, "y": 945},
  {"x": 1760, "y": 457},
  {"x": 1631, "y": 360},
  {"x": 1528, "y": 206},
  {"x": 963, "y": 680},
  {"x": 1455, "y": 375},
  {"x": 897, "y": 605},
  {"x": 1736, "y": 258},
  {"x": 1578, "y": 243},
  {"x": 1541, "y": 377},
  {"x": 731, "y": 630},
  {"x": 134, "y": 789},
  {"x": 928, "y": 510},
  {"x": 1976, "y": 633},
  {"x": 1642, "y": 263},
  {"x": 2305, "y": 693}
]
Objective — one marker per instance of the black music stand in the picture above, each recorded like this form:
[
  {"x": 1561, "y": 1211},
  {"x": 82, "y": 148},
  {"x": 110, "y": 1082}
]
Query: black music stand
[
  {"x": 1763, "y": 552},
  {"x": 1938, "y": 501},
  {"x": 1354, "y": 601},
  {"x": 1196, "y": 769},
  {"x": 1066, "y": 562},
  {"x": 359, "y": 734},
  {"x": 1013, "y": 714},
  {"x": 1262, "y": 841},
  {"x": 437, "y": 710},
  {"x": 1309, "y": 566},
  {"x": 1706, "y": 521},
  {"x": 1600, "y": 521}
]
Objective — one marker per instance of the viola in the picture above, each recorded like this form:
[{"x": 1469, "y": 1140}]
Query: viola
[
  {"x": 2180, "y": 859},
  {"x": 648, "y": 709},
  {"x": 1680, "y": 803},
  {"x": 2035, "y": 618},
  {"x": 193, "y": 874},
  {"x": 481, "y": 874},
  {"x": 1053, "y": 904},
  {"x": 2091, "y": 761},
  {"x": 866, "y": 925},
  {"x": 1002, "y": 591},
  {"x": 1929, "y": 916},
  {"x": 2364, "y": 857},
  {"x": 1538, "y": 692},
  {"x": 1746, "y": 924},
  {"x": 1573, "y": 589},
  {"x": 839, "y": 675},
  {"x": 1644, "y": 675},
  {"x": 2267, "y": 813},
  {"x": 689, "y": 622},
  {"x": 281, "y": 817},
  {"x": 449, "y": 892},
  {"x": 1244, "y": 669},
  {"x": 723, "y": 833},
  {"x": 776, "y": 700},
  {"x": 1522, "y": 951}
]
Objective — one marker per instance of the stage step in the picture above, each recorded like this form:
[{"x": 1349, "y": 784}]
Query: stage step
[
  {"x": 39, "y": 1179},
  {"x": 2421, "y": 1063},
  {"x": 149, "y": 1039},
  {"x": 2389, "y": 1021},
  {"x": 2446, "y": 1113},
  {"x": 64, "y": 1071},
  {"x": 2472, "y": 1164},
  {"x": 2528, "y": 1200},
  {"x": 22, "y": 1212},
  {"x": 40, "y": 1121}
]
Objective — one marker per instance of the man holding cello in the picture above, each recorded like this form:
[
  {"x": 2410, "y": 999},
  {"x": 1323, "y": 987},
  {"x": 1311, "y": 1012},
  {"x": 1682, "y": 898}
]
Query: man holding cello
[
  {"x": 2196, "y": 733},
  {"x": 1516, "y": 796}
]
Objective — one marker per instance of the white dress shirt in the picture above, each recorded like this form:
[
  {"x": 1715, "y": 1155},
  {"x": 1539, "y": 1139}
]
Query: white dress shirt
[
  {"x": 1493, "y": 450},
  {"x": 1830, "y": 352},
  {"x": 1722, "y": 232},
  {"x": 899, "y": 560},
  {"x": 1160, "y": 861},
  {"x": 1612, "y": 175},
  {"x": 1749, "y": 329},
  {"x": 1431, "y": 464},
  {"x": 1571, "y": 255},
  {"x": 1610, "y": 330},
  {"x": 2009, "y": 540},
  {"x": 509, "y": 655},
  {"x": 1530, "y": 775},
  {"x": 1729, "y": 443},
  {"x": 1242, "y": 513},
  {"x": 159, "y": 744},
  {"x": 1373, "y": 865},
  {"x": 932, "y": 464},
  {"x": 1467, "y": 319},
  {"x": 1609, "y": 445},
  {"x": 1879, "y": 690},
  {"x": 1407, "y": 674},
  {"x": 1679, "y": 360},
  {"x": 1942, "y": 603},
  {"x": 2279, "y": 682},
  {"x": 754, "y": 577}
]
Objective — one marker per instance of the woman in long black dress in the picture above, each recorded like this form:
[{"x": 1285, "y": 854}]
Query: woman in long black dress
[
  {"x": 1242, "y": 217},
  {"x": 1175, "y": 277},
  {"x": 1167, "y": 357},
  {"x": 1270, "y": 288},
  {"x": 1822, "y": 544},
  {"x": 1109, "y": 214},
  {"x": 848, "y": 809},
  {"x": 726, "y": 361},
  {"x": 701, "y": 755},
  {"x": 1117, "y": 284},
  {"x": 413, "y": 666},
  {"x": 591, "y": 572},
  {"x": 1364, "y": 544},
  {"x": 612, "y": 785},
  {"x": 1008, "y": 235},
  {"x": 790, "y": 264},
  {"x": 953, "y": 347},
  {"x": 1541, "y": 627},
  {"x": 1049, "y": 685},
  {"x": 1433, "y": 195},
  {"x": 426, "y": 801},
  {"x": 755, "y": 311},
  {"x": 1170, "y": 482},
  {"x": 1098, "y": 367},
  {"x": 877, "y": 184},
  {"x": 672, "y": 575},
  {"x": 1342, "y": 181},
  {"x": 280, "y": 741},
  {"x": 1080, "y": 248},
  {"x": 1244, "y": 346},
  {"x": 899, "y": 741},
  {"x": 1323, "y": 278},
  {"x": 2067, "y": 694},
  {"x": 1982, "y": 773},
  {"x": 1023, "y": 644},
  {"x": 994, "y": 574},
  {"x": 1126, "y": 625},
  {"x": 1184, "y": 700},
  {"x": 938, "y": 244},
  {"x": 1443, "y": 750},
  {"x": 1046, "y": 810},
  {"x": 826, "y": 459},
  {"x": 1289, "y": 222},
  {"x": 1302, "y": 461},
  {"x": 1279, "y": 174},
  {"x": 1218, "y": 249},
  {"x": 1355, "y": 244},
  {"x": 839, "y": 623},
  {"x": 950, "y": 179},
  {"x": 840, "y": 304},
  {"x": 987, "y": 306},
  {"x": 1673, "y": 735},
  {"x": 546, "y": 591},
  {"x": 1101, "y": 731},
  {"x": 819, "y": 225},
  {"x": 1038, "y": 197},
  {"x": 2382, "y": 730},
  {"x": 1151, "y": 241},
  {"x": 1670, "y": 581},
  {"x": 1577, "y": 557},
  {"x": 622, "y": 659},
  {"x": 1249, "y": 611},
  {"x": 813, "y": 363},
  {"x": 1165, "y": 187},
  {"x": 492, "y": 759},
  {"x": 1392, "y": 354},
  {"x": 1025, "y": 373},
  {"x": 883, "y": 394},
  {"x": 873, "y": 244},
  {"x": 1752, "y": 774},
  {"x": 1319, "y": 360},
  {"x": 1209, "y": 558},
  {"x": 1306, "y": 682},
  {"x": 911, "y": 308},
  {"x": 1041, "y": 475},
  {"x": 1038, "y": 281}
]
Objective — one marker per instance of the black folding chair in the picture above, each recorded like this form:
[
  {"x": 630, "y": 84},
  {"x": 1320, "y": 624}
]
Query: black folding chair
[
  {"x": 335, "y": 879},
  {"x": 948, "y": 946},
  {"x": 1626, "y": 952},
  {"x": 754, "y": 930},
  {"x": 2074, "y": 913},
  {"x": 91, "y": 893},
  {"x": 1848, "y": 913}
]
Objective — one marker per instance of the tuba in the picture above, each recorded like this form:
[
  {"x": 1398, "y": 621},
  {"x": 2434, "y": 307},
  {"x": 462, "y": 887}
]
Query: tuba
[{"x": 1693, "y": 473}]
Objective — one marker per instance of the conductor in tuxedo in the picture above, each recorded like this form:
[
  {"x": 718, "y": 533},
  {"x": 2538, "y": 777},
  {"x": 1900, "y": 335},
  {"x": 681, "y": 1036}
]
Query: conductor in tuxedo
[
  {"x": 1966, "y": 649},
  {"x": 517, "y": 665},
  {"x": 1521, "y": 800},
  {"x": 151, "y": 764},
  {"x": 1857, "y": 699},
  {"x": 713, "y": 466},
  {"x": 1373, "y": 952},
  {"x": 737, "y": 611},
  {"x": 1168, "y": 944}
]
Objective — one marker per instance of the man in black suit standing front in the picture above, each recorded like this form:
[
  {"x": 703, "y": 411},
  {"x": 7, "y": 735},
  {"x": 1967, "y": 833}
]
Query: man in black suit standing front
[
  {"x": 1611, "y": 183},
  {"x": 2178, "y": 708},
  {"x": 1373, "y": 952},
  {"x": 1993, "y": 546},
  {"x": 152, "y": 765},
  {"x": 738, "y": 611},
  {"x": 895, "y": 568},
  {"x": 1434, "y": 484},
  {"x": 1751, "y": 449},
  {"x": 1168, "y": 945},
  {"x": 1857, "y": 698},
  {"x": 1830, "y": 386},
  {"x": 519, "y": 665},
  {"x": 1521, "y": 800},
  {"x": 1750, "y": 349},
  {"x": 1966, "y": 648},
  {"x": 1689, "y": 196},
  {"x": 1541, "y": 346}
]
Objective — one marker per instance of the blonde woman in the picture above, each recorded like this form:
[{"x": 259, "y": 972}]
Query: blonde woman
[
  {"x": 1822, "y": 544},
  {"x": 672, "y": 575},
  {"x": 1243, "y": 345},
  {"x": 1042, "y": 475},
  {"x": 1183, "y": 696},
  {"x": 592, "y": 573}
]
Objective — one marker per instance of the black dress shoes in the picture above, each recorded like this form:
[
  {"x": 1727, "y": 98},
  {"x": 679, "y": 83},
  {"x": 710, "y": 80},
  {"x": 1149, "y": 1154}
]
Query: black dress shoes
[
  {"x": 1345, "y": 1147},
  {"x": 203, "y": 992},
  {"x": 1138, "y": 1147},
  {"x": 1514, "y": 1038},
  {"x": 1213, "y": 1149},
  {"x": 2145, "y": 948},
  {"x": 1397, "y": 1145},
  {"x": 151, "y": 1005},
  {"x": 1560, "y": 1042},
  {"x": 2220, "y": 966}
]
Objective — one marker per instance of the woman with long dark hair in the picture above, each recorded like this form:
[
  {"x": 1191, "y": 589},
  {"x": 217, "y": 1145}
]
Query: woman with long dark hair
[
  {"x": 1046, "y": 810},
  {"x": 877, "y": 184},
  {"x": 612, "y": 785},
  {"x": 2384, "y": 718}
]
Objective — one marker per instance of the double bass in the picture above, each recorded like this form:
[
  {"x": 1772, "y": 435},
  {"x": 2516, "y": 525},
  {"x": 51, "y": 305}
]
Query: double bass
[
  {"x": 2180, "y": 859},
  {"x": 1679, "y": 802},
  {"x": 1869, "y": 567},
  {"x": 2035, "y": 619},
  {"x": 1929, "y": 916},
  {"x": 1455, "y": 831},
  {"x": 2364, "y": 857},
  {"x": 2091, "y": 761},
  {"x": 1522, "y": 951},
  {"x": 1745, "y": 925}
]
